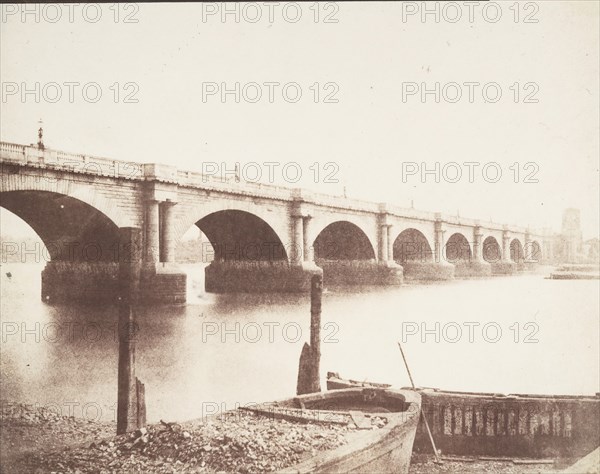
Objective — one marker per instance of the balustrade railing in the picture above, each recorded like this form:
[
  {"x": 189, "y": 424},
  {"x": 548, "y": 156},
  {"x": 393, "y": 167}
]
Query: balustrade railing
[{"x": 85, "y": 164}]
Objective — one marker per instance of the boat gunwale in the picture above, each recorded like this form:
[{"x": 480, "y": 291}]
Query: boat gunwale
[
  {"x": 363, "y": 439},
  {"x": 436, "y": 392},
  {"x": 507, "y": 397}
]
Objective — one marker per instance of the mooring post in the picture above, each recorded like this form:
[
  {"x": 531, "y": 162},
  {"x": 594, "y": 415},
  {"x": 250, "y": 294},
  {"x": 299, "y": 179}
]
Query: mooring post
[
  {"x": 141, "y": 403},
  {"x": 316, "y": 295},
  {"x": 309, "y": 376},
  {"x": 130, "y": 392}
]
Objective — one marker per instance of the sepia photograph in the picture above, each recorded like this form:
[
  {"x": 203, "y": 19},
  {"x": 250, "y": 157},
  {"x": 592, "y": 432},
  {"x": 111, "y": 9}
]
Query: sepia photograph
[{"x": 300, "y": 237}]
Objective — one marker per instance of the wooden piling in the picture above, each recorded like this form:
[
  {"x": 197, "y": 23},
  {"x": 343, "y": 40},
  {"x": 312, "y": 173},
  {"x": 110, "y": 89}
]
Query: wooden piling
[
  {"x": 141, "y": 403},
  {"x": 131, "y": 409},
  {"x": 309, "y": 376}
]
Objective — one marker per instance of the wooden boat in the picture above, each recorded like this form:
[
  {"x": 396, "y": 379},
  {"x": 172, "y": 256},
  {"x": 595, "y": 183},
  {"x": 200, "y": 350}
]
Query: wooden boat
[
  {"x": 495, "y": 424},
  {"x": 335, "y": 382},
  {"x": 385, "y": 421}
]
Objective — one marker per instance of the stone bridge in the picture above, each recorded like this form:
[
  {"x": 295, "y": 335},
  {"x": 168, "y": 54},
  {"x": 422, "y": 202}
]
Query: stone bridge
[{"x": 264, "y": 237}]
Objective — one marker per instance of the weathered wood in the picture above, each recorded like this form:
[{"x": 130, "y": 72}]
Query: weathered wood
[
  {"x": 457, "y": 459},
  {"x": 533, "y": 461},
  {"x": 305, "y": 375},
  {"x": 141, "y": 403},
  {"x": 360, "y": 420},
  {"x": 309, "y": 377},
  {"x": 316, "y": 296},
  {"x": 128, "y": 393}
]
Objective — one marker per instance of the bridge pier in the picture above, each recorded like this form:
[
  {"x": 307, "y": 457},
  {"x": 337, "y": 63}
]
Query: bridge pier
[
  {"x": 472, "y": 269},
  {"x": 258, "y": 276},
  {"x": 386, "y": 271},
  {"x": 161, "y": 280},
  {"x": 97, "y": 282},
  {"x": 162, "y": 283},
  {"x": 476, "y": 266},
  {"x": 152, "y": 242},
  {"x": 531, "y": 260},
  {"x": 360, "y": 272},
  {"x": 427, "y": 271},
  {"x": 168, "y": 232},
  {"x": 505, "y": 266},
  {"x": 93, "y": 282}
]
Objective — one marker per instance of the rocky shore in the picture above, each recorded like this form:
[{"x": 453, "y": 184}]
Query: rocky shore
[
  {"x": 239, "y": 441},
  {"x": 38, "y": 440},
  {"x": 26, "y": 430}
]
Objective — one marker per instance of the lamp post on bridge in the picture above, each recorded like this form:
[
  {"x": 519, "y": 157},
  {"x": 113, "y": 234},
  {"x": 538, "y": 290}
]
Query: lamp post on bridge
[{"x": 40, "y": 142}]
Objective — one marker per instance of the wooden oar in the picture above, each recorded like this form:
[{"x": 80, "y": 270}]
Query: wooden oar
[{"x": 435, "y": 451}]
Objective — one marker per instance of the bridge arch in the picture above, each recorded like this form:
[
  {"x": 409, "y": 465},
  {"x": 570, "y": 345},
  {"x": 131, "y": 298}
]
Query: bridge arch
[
  {"x": 237, "y": 235},
  {"x": 517, "y": 253},
  {"x": 188, "y": 214},
  {"x": 71, "y": 229},
  {"x": 81, "y": 191},
  {"x": 412, "y": 245},
  {"x": 321, "y": 221},
  {"x": 343, "y": 240},
  {"x": 458, "y": 249},
  {"x": 491, "y": 251}
]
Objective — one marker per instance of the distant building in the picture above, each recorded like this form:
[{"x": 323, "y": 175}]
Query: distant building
[
  {"x": 591, "y": 250},
  {"x": 568, "y": 245}
]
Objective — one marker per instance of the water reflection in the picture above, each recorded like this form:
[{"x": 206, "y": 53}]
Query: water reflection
[{"x": 223, "y": 350}]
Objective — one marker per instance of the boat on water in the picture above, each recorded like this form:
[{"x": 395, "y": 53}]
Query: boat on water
[
  {"x": 495, "y": 424},
  {"x": 383, "y": 424},
  {"x": 576, "y": 272}
]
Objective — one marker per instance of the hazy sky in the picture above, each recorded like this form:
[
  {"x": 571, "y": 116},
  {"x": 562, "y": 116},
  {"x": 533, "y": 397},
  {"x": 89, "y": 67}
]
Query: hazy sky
[{"x": 371, "y": 133}]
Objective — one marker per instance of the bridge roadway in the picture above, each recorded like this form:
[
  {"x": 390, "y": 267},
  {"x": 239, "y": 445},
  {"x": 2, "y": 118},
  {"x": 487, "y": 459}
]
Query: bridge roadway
[{"x": 264, "y": 237}]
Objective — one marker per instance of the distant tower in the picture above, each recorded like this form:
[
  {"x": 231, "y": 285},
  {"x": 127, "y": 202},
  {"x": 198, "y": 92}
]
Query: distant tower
[
  {"x": 571, "y": 223},
  {"x": 571, "y": 234},
  {"x": 40, "y": 142}
]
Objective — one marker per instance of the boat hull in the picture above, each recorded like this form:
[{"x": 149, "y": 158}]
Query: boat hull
[
  {"x": 521, "y": 425},
  {"x": 385, "y": 449},
  {"x": 536, "y": 426}
]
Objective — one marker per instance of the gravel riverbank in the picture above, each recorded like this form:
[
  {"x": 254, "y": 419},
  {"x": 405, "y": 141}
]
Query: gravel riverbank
[
  {"x": 26, "y": 430},
  {"x": 37, "y": 440},
  {"x": 233, "y": 442}
]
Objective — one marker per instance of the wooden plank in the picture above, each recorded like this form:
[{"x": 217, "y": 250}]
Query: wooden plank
[
  {"x": 533, "y": 461},
  {"x": 457, "y": 459},
  {"x": 360, "y": 420}
]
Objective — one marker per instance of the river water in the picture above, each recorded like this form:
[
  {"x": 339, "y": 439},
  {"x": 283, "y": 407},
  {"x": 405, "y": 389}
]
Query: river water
[{"x": 520, "y": 334}]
